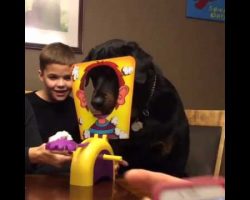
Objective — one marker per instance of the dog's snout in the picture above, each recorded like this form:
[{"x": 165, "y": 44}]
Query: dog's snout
[{"x": 97, "y": 102}]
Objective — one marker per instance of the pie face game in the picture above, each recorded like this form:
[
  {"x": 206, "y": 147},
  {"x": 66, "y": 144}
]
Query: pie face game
[{"x": 102, "y": 92}]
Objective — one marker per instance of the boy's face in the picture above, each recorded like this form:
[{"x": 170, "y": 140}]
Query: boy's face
[{"x": 57, "y": 81}]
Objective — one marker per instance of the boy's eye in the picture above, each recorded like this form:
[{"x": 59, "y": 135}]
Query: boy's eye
[
  {"x": 67, "y": 78},
  {"x": 52, "y": 77}
]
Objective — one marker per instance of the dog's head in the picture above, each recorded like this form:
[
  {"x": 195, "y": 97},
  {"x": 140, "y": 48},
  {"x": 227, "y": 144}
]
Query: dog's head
[
  {"x": 106, "y": 89},
  {"x": 145, "y": 69}
]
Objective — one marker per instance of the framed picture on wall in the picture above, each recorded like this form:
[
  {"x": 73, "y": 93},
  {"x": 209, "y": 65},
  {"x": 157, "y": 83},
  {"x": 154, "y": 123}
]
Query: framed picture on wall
[{"x": 53, "y": 21}]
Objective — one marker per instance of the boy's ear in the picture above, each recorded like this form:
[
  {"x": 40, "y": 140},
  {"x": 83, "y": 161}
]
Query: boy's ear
[{"x": 40, "y": 74}]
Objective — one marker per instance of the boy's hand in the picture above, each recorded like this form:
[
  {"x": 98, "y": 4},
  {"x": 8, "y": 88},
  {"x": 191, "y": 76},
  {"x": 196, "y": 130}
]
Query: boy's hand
[{"x": 40, "y": 155}]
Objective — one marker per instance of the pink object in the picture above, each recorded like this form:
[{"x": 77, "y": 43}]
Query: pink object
[{"x": 64, "y": 145}]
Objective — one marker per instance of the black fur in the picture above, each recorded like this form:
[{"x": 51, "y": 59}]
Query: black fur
[
  {"x": 163, "y": 143},
  {"x": 106, "y": 87}
]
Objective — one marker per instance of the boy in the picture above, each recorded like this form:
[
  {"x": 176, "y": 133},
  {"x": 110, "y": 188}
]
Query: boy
[
  {"x": 36, "y": 154},
  {"x": 53, "y": 107}
]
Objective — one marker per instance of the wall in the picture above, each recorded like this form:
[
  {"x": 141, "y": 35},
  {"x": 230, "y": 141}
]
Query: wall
[{"x": 191, "y": 52}]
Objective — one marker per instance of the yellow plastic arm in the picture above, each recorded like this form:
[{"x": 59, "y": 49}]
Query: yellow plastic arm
[{"x": 111, "y": 157}]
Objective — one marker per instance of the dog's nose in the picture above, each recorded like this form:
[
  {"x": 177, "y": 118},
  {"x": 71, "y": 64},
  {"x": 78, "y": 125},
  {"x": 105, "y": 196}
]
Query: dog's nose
[{"x": 97, "y": 102}]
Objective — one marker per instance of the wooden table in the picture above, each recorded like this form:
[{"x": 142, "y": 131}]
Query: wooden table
[{"x": 48, "y": 187}]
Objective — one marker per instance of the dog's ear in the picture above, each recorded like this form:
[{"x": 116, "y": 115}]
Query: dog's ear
[
  {"x": 89, "y": 56},
  {"x": 143, "y": 73},
  {"x": 140, "y": 77},
  {"x": 123, "y": 91},
  {"x": 144, "y": 62}
]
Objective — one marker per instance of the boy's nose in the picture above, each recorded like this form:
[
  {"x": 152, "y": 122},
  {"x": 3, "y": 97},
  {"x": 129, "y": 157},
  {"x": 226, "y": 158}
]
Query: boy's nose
[{"x": 61, "y": 82}]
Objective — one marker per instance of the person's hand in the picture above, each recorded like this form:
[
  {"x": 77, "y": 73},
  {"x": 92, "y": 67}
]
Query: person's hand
[
  {"x": 40, "y": 155},
  {"x": 146, "y": 180},
  {"x": 118, "y": 164}
]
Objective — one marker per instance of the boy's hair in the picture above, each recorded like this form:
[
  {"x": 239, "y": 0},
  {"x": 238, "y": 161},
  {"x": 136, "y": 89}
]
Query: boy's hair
[{"x": 57, "y": 53}]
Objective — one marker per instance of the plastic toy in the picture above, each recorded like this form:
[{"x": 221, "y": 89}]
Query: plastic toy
[
  {"x": 62, "y": 141},
  {"x": 115, "y": 124},
  {"x": 93, "y": 161},
  {"x": 94, "y": 158}
]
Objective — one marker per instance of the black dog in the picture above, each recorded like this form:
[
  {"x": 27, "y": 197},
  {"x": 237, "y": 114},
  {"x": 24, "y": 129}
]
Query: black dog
[
  {"x": 159, "y": 138},
  {"x": 106, "y": 89}
]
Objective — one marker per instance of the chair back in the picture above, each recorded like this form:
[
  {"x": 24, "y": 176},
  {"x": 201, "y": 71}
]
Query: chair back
[{"x": 207, "y": 138}]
